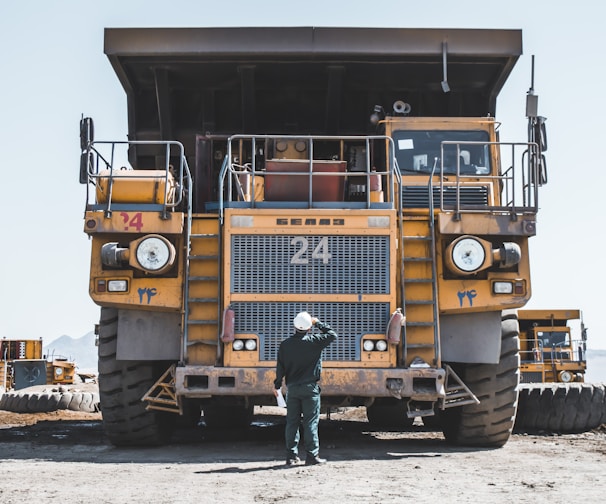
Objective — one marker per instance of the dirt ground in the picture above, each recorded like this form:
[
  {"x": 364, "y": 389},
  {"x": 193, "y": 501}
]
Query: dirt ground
[{"x": 64, "y": 456}]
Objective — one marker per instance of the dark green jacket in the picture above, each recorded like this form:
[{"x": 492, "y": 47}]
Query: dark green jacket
[{"x": 300, "y": 356}]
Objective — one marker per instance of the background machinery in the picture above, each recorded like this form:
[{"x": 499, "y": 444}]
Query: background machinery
[
  {"x": 553, "y": 394},
  {"x": 23, "y": 365}
]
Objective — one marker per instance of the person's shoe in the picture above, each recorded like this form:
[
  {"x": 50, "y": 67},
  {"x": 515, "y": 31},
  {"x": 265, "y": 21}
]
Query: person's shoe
[
  {"x": 311, "y": 460},
  {"x": 292, "y": 461}
]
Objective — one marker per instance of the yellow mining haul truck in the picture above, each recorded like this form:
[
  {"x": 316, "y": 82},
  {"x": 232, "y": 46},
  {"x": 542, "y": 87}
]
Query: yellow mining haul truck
[
  {"x": 354, "y": 173},
  {"x": 553, "y": 395},
  {"x": 23, "y": 365},
  {"x": 549, "y": 352}
]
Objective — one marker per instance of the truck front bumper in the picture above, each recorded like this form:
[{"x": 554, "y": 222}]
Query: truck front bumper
[{"x": 421, "y": 384}]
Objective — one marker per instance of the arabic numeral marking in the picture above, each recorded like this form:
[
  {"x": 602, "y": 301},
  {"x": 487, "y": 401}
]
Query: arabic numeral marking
[
  {"x": 298, "y": 257},
  {"x": 320, "y": 252}
]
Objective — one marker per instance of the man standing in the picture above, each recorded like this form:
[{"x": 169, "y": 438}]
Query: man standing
[{"x": 300, "y": 362}]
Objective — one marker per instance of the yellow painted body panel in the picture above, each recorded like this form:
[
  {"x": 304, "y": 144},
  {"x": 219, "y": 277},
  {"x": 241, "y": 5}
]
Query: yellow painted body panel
[
  {"x": 135, "y": 186},
  {"x": 133, "y": 222},
  {"x": 145, "y": 292}
]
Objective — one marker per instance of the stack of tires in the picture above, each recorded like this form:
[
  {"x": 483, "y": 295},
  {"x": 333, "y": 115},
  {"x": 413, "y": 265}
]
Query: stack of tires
[
  {"x": 43, "y": 398},
  {"x": 565, "y": 408}
]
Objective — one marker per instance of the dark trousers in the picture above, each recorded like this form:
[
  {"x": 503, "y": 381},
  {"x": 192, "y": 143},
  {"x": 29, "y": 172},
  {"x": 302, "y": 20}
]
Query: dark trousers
[{"x": 303, "y": 400}]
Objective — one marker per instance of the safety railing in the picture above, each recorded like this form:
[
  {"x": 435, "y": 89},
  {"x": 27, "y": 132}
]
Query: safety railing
[
  {"x": 534, "y": 351},
  {"x": 112, "y": 183},
  {"x": 513, "y": 191},
  {"x": 309, "y": 180}
]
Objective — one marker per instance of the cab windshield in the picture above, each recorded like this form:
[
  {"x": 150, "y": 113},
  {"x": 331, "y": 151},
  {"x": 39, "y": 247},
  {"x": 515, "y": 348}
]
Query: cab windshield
[
  {"x": 553, "y": 338},
  {"x": 417, "y": 151}
]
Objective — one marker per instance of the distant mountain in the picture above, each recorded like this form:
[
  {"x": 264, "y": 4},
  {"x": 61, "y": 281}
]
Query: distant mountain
[{"x": 80, "y": 350}]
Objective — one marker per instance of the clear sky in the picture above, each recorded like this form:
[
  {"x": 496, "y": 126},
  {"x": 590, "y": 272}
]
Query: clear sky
[{"x": 53, "y": 70}]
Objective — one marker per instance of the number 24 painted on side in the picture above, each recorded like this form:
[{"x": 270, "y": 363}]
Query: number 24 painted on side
[{"x": 134, "y": 221}]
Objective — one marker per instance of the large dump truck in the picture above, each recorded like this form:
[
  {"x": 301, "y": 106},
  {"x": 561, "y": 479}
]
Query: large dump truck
[
  {"x": 549, "y": 351},
  {"x": 553, "y": 395},
  {"x": 354, "y": 173}
]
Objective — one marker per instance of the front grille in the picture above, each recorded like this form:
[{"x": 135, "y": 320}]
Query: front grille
[
  {"x": 417, "y": 196},
  {"x": 531, "y": 377},
  {"x": 278, "y": 264},
  {"x": 272, "y": 323}
]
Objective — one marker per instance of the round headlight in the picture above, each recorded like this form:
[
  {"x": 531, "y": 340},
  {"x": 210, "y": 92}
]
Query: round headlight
[
  {"x": 58, "y": 371},
  {"x": 381, "y": 345},
  {"x": 368, "y": 346},
  {"x": 238, "y": 345},
  {"x": 155, "y": 253},
  {"x": 250, "y": 344},
  {"x": 566, "y": 376},
  {"x": 468, "y": 254}
]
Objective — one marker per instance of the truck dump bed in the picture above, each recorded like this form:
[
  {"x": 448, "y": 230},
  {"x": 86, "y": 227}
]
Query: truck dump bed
[{"x": 182, "y": 82}]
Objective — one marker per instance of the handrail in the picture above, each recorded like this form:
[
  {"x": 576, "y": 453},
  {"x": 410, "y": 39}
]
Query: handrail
[
  {"x": 183, "y": 172},
  {"x": 232, "y": 168},
  {"x": 519, "y": 184}
]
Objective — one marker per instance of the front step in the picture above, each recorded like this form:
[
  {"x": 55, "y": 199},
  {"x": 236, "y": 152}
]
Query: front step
[
  {"x": 457, "y": 393},
  {"x": 203, "y": 303}
]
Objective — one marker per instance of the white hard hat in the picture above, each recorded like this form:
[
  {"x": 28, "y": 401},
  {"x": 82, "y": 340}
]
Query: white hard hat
[{"x": 302, "y": 321}]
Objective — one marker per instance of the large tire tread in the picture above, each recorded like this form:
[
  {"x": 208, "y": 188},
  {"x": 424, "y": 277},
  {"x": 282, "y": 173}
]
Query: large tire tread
[
  {"x": 565, "y": 408},
  {"x": 490, "y": 423},
  {"x": 122, "y": 384}
]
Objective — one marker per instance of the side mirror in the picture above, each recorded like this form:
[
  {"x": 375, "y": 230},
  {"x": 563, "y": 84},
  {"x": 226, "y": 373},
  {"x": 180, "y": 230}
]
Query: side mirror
[
  {"x": 87, "y": 132},
  {"x": 86, "y": 166}
]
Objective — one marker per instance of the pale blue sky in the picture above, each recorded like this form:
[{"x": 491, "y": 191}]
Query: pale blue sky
[{"x": 53, "y": 70}]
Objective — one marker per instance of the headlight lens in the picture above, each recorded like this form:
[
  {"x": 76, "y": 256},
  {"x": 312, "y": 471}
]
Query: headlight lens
[
  {"x": 155, "y": 253},
  {"x": 566, "y": 376},
  {"x": 381, "y": 345},
  {"x": 502, "y": 287},
  {"x": 58, "y": 371},
  {"x": 368, "y": 346},
  {"x": 238, "y": 345},
  {"x": 250, "y": 345},
  {"x": 117, "y": 286},
  {"x": 468, "y": 254}
]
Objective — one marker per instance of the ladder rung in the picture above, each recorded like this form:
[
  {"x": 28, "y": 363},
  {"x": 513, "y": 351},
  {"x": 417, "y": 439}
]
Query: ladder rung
[
  {"x": 420, "y": 302},
  {"x": 416, "y": 259},
  {"x": 420, "y": 324},
  {"x": 198, "y": 257},
  {"x": 420, "y": 345},
  {"x": 202, "y": 278},
  {"x": 417, "y": 238},
  {"x": 202, "y": 342},
  {"x": 204, "y": 235},
  {"x": 203, "y": 300},
  {"x": 417, "y": 280},
  {"x": 202, "y": 322}
]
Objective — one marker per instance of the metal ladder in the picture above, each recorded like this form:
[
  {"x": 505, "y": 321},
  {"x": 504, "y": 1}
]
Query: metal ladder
[{"x": 202, "y": 303}]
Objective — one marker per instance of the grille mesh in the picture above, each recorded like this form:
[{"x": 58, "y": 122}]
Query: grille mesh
[
  {"x": 416, "y": 196},
  {"x": 272, "y": 322},
  {"x": 531, "y": 377},
  {"x": 278, "y": 264}
]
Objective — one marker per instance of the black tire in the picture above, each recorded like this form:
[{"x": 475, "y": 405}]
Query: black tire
[
  {"x": 389, "y": 413},
  {"x": 40, "y": 399},
  {"x": 122, "y": 384},
  {"x": 491, "y": 422},
  {"x": 564, "y": 408}
]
